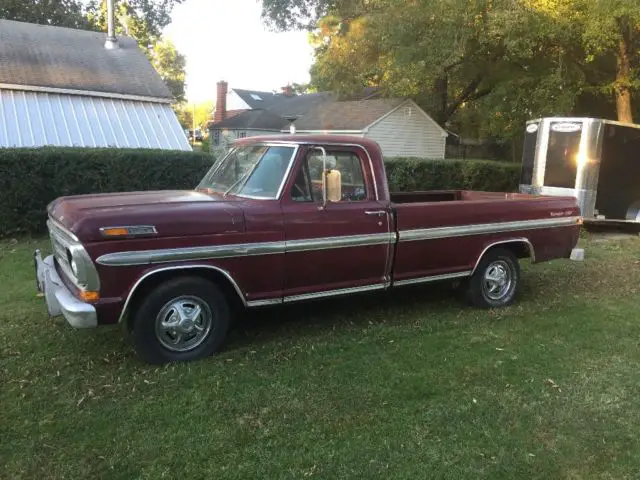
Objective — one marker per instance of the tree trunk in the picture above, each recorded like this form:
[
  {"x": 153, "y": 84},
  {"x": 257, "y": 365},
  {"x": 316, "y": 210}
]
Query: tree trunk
[
  {"x": 442, "y": 93},
  {"x": 623, "y": 83}
]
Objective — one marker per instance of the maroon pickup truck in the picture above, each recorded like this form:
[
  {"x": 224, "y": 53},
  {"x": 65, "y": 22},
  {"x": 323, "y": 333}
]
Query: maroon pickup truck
[{"x": 282, "y": 219}]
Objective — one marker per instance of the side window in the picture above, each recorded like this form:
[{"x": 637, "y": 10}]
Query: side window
[
  {"x": 345, "y": 168},
  {"x": 352, "y": 177}
]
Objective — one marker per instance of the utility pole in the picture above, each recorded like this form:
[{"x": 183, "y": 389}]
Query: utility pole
[{"x": 193, "y": 121}]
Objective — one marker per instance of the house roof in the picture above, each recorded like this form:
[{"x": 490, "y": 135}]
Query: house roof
[
  {"x": 275, "y": 116},
  {"x": 349, "y": 115},
  {"x": 258, "y": 100},
  {"x": 58, "y": 58}
]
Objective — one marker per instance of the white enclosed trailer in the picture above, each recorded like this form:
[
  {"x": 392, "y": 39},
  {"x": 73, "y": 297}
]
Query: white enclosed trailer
[{"x": 595, "y": 160}]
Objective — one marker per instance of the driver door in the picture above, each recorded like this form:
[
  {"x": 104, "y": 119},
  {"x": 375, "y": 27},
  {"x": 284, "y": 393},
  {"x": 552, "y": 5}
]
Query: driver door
[{"x": 342, "y": 245}]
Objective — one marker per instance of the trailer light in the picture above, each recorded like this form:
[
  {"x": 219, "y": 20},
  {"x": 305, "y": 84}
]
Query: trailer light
[{"x": 581, "y": 159}]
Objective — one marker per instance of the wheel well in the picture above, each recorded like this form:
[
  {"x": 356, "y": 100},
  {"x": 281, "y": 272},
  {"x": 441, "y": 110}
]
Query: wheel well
[
  {"x": 520, "y": 247},
  {"x": 157, "y": 278}
]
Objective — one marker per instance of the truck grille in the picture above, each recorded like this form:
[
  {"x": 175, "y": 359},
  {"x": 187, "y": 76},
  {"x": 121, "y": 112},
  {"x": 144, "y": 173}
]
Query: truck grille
[{"x": 60, "y": 241}]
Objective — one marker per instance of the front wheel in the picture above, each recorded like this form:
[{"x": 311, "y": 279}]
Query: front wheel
[
  {"x": 183, "y": 319},
  {"x": 495, "y": 281}
]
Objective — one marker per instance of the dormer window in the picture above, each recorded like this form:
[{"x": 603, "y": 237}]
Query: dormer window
[{"x": 256, "y": 96}]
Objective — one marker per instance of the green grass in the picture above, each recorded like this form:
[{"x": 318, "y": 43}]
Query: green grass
[{"x": 409, "y": 385}]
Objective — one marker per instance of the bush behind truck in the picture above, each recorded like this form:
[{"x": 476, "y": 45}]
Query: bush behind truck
[{"x": 30, "y": 178}]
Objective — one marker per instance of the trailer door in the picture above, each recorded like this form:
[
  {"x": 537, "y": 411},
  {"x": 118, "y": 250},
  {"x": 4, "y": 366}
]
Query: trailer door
[
  {"x": 562, "y": 154},
  {"x": 529, "y": 153}
]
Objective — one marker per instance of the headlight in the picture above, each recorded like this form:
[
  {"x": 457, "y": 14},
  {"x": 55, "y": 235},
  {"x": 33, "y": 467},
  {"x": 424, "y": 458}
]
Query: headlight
[
  {"x": 74, "y": 267},
  {"x": 72, "y": 263}
]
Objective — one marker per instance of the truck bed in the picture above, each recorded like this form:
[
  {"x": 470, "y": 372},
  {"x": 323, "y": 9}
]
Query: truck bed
[
  {"x": 431, "y": 196},
  {"x": 447, "y": 231}
]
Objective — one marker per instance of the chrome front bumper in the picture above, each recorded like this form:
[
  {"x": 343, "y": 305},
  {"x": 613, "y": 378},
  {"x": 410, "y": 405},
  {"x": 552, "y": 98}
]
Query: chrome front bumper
[{"x": 60, "y": 301}]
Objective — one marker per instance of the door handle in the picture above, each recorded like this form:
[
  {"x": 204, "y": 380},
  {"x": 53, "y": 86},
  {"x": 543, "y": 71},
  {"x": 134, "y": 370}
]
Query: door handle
[{"x": 377, "y": 213}]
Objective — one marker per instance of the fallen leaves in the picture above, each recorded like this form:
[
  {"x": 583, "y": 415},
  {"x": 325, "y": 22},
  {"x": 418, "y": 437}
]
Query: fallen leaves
[{"x": 552, "y": 384}]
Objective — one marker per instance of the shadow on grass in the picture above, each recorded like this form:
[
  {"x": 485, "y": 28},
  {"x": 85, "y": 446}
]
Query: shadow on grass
[
  {"x": 313, "y": 318},
  {"x": 436, "y": 304}
]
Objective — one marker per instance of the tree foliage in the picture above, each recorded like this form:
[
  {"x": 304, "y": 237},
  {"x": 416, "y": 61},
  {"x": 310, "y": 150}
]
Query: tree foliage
[
  {"x": 139, "y": 19},
  {"x": 483, "y": 66},
  {"x": 203, "y": 112},
  {"x": 63, "y": 13},
  {"x": 170, "y": 65}
]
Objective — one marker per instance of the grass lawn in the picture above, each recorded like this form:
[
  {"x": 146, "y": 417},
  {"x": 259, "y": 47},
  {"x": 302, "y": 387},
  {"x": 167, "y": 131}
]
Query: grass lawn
[{"x": 408, "y": 385}]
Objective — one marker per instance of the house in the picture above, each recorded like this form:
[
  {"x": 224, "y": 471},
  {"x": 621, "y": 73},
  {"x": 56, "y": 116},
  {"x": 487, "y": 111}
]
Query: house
[
  {"x": 399, "y": 125},
  {"x": 67, "y": 87}
]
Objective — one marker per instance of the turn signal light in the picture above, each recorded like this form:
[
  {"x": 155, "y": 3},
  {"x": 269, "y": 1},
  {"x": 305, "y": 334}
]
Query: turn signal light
[
  {"x": 115, "y": 232},
  {"x": 129, "y": 231},
  {"x": 89, "y": 296}
]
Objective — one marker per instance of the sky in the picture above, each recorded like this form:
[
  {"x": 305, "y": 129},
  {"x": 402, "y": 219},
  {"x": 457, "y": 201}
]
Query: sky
[{"x": 227, "y": 40}]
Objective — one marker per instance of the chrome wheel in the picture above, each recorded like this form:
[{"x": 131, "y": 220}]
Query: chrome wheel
[
  {"x": 497, "y": 280},
  {"x": 183, "y": 323}
]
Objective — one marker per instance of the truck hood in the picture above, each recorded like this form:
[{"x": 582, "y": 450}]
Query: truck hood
[{"x": 172, "y": 212}]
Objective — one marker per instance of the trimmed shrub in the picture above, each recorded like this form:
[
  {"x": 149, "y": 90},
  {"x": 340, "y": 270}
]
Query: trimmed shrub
[
  {"x": 410, "y": 174},
  {"x": 30, "y": 178}
]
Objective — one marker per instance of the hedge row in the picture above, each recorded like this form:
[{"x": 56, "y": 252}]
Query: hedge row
[
  {"x": 407, "y": 174},
  {"x": 30, "y": 178}
]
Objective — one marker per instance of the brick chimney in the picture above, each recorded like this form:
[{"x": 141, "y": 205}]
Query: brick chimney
[
  {"x": 220, "y": 112},
  {"x": 287, "y": 91}
]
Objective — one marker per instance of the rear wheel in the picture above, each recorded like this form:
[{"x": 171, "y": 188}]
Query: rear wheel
[
  {"x": 183, "y": 319},
  {"x": 495, "y": 281}
]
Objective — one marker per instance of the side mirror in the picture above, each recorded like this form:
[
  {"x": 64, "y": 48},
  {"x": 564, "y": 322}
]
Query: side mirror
[
  {"x": 333, "y": 185},
  {"x": 331, "y": 179}
]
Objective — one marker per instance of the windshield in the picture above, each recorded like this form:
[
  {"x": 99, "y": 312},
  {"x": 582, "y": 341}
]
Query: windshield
[{"x": 252, "y": 171}]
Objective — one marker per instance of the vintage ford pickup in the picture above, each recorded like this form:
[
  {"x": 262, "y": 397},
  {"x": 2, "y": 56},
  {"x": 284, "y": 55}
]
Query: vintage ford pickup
[{"x": 282, "y": 219}]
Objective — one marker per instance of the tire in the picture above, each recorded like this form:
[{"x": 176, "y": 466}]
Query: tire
[
  {"x": 181, "y": 320},
  {"x": 501, "y": 289}
]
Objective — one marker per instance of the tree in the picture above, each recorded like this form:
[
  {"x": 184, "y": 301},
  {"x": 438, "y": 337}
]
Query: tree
[
  {"x": 203, "y": 111},
  {"x": 140, "y": 19},
  {"x": 62, "y": 13},
  {"x": 132, "y": 20},
  {"x": 170, "y": 64},
  {"x": 485, "y": 66},
  {"x": 296, "y": 14},
  {"x": 445, "y": 54},
  {"x": 612, "y": 30}
]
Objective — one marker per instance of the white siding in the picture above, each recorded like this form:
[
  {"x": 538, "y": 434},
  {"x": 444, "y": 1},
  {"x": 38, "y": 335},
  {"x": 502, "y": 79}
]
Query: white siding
[
  {"x": 329, "y": 132},
  {"x": 408, "y": 134},
  {"x": 257, "y": 133},
  {"x": 228, "y": 136},
  {"x": 36, "y": 119}
]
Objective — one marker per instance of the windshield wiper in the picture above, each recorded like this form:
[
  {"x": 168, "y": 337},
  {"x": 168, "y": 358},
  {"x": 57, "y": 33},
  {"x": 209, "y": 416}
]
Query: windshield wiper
[
  {"x": 245, "y": 176},
  {"x": 233, "y": 185}
]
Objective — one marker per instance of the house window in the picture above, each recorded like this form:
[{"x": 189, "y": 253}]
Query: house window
[
  {"x": 241, "y": 134},
  {"x": 308, "y": 184},
  {"x": 256, "y": 97},
  {"x": 216, "y": 138}
]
